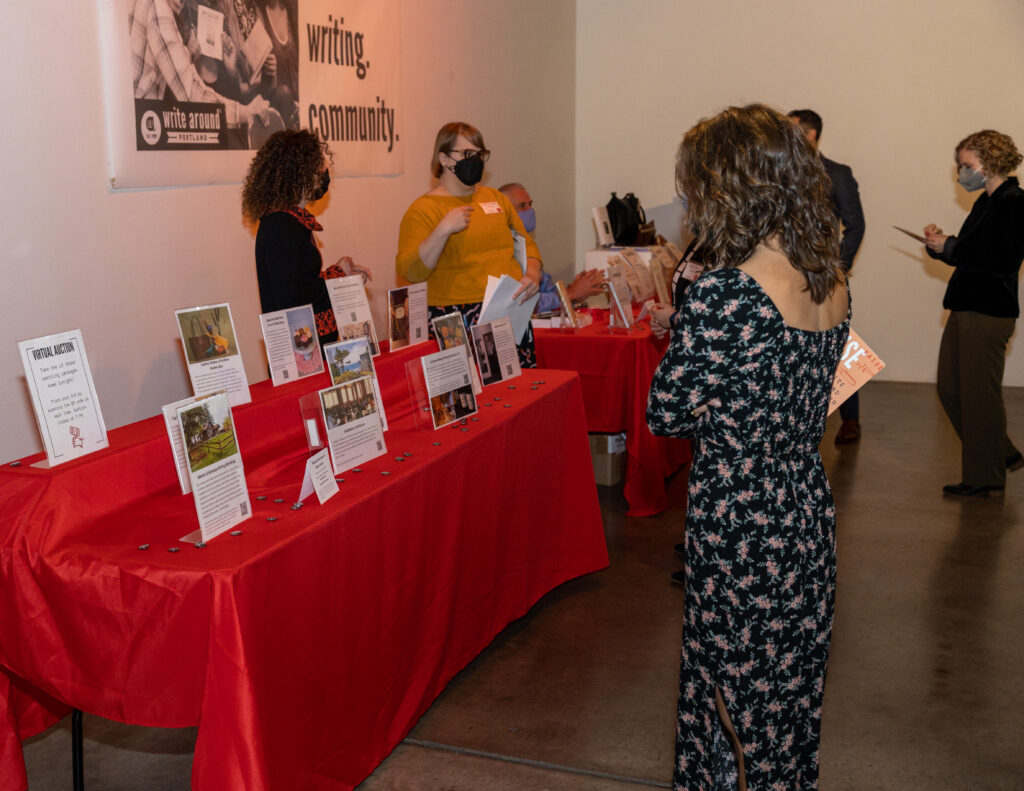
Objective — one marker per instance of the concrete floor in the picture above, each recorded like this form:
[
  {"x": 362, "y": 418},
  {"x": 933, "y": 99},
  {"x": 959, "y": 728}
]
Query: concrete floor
[{"x": 924, "y": 688}]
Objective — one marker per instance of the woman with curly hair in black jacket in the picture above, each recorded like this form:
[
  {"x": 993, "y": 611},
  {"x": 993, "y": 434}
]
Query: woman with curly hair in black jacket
[{"x": 291, "y": 170}]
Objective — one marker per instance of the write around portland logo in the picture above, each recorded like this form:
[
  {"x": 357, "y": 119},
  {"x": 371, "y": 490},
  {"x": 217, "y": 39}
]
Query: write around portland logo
[
  {"x": 169, "y": 125},
  {"x": 150, "y": 128}
]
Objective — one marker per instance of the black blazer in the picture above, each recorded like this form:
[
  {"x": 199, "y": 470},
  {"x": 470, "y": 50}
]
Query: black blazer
[
  {"x": 846, "y": 200},
  {"x": 987, "y": 254}
]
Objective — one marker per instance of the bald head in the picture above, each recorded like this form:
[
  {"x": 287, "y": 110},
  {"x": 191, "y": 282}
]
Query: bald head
[{"x": 517, "y": 195}]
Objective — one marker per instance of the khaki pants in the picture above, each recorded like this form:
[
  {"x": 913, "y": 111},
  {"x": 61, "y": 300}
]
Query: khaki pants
[{"x": 970, "y": 384}]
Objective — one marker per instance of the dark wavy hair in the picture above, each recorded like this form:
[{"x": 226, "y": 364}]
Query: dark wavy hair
[
  {"x": 446, "y": 137},
  {"x": 749, "y": 175},
  {"x": 997, "y": 152},
  {"x": 284, "y": 172}
]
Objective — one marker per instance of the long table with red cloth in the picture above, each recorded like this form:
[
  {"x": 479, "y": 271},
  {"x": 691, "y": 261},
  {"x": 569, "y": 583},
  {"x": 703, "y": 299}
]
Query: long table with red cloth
[
  {"x": 616, "y": 368},
  {"x": 307, "y": 647}
]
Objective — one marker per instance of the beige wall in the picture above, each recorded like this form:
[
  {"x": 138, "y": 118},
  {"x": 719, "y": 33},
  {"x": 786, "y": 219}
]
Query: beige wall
[
  {"x": 898, "y": 84},
  {"x": 117, "y": 265}
]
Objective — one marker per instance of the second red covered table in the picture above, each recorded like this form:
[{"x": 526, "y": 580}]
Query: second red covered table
[{"x": 615, "y": 369}]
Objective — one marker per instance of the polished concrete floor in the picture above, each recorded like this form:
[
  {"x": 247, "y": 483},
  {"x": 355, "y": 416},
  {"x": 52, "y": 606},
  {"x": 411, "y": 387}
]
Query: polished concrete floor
[{"x": 925, "y": 689}]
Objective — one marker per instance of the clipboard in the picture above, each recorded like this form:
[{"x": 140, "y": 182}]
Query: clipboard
[{"x": 912, "y": 235}]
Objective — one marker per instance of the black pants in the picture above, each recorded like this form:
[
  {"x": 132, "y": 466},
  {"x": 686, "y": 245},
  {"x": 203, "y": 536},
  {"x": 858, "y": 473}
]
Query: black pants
[{"x": 972, "y": 357}]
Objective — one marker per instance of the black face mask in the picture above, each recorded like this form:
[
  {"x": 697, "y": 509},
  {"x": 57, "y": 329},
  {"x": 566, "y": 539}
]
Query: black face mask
[
  {"x": 469, "y": 171},
  {"x": 325, "y": 183}
]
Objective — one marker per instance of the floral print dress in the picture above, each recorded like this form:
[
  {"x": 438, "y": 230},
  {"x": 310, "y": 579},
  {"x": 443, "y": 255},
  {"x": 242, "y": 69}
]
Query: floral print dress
[{"x": 760, "y": 532}]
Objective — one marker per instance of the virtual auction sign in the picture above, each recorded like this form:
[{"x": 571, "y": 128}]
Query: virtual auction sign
[{"x": 194, "y": 86}]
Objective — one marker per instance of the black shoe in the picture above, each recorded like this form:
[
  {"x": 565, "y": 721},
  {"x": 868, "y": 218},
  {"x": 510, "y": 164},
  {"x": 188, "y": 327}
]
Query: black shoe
[
  {"x": 966, "y": 490},
  {"x": 679, "y": 549},
  {"x": 678, "y": 577},
  {"x": 849, "y": 432},
  {"x": 1014, "y": 462}
]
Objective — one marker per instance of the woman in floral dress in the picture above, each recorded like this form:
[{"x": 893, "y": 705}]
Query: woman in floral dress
[{"x": 748, "y": 376}]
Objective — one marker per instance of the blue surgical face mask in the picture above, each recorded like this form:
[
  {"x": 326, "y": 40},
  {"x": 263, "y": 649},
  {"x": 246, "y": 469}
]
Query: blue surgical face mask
[
  {"x": 970, "y": 179},
  {"x": 529, "y": 218}
]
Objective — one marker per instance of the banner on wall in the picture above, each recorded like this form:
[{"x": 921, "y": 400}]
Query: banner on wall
[{"x": 193, "y": 87}]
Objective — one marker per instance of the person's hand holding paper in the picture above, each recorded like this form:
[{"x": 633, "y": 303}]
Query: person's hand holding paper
[
  {"x": 527, "y": 289},
  {"x": 501, "y": 299}
]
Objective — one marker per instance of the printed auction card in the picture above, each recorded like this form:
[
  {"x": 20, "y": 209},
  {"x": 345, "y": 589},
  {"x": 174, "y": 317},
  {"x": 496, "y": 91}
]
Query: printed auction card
[
  {"x": 643, "y": 272},
  {"x": 347, "y": 360},
  {"x": 450, "y": 331},
  {"x": 293, "y": 347},
  {"x": 354, "y": 432},
  {"x": 170, "y": 412},
  {"x": 674, "y": 252},
  {"x": 857, "y": 365},
  {"x": 662, "y": 270},
  {"x": 319, "y": 478},
  {"x": 496, "y": 350},
  {"x": 214, "y": 466},
  {"x": 211, "y": 351},
  {"x": 632, "y": 278},
  {"x": 63, "y": 397},
  {"x": 352, "y": 310},
  {"x": 407, "y": 315},
  {"x": 449, "y": 386},
  {"x": 621, "y": 301},
  {"x": 570, "y": 312}
]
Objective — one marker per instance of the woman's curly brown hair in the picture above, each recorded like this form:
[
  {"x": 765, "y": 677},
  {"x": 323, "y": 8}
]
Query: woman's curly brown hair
[
  {"x": 284, "y": 172},
  {"x": 749, "y": 175},
  {"x": 998, "y": 155}
]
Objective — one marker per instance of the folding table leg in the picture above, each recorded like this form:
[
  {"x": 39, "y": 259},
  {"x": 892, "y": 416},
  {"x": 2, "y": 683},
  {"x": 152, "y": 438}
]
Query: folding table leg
[{"x": 77, "y": 767}]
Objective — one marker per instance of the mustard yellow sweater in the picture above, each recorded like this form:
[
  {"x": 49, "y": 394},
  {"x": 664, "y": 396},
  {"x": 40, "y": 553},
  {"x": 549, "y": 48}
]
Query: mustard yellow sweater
[{"x": 484, "y": 248}]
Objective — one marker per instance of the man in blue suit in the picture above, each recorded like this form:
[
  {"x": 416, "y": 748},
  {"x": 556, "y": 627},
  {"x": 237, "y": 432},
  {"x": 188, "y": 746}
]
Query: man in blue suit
[{"x": 846, "y": 199}]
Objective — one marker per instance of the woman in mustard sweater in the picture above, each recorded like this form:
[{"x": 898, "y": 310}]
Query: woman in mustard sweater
[{"x": 460, "y": 232}]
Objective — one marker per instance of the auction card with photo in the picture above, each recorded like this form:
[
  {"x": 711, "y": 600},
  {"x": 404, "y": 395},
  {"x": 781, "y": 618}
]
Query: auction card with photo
[
  {"x": 352, "y": 310},
  {"x": 350, "y": 414},
  {"x": 63, "y": 397},
  {"x": 293, "y": 347},
  {"x": 449, "y": 386},
  {"x": 496, "y": 351},
  {"x": 215, "y": 468},
  {"x": 211, "y": 352},
  {"x": 348, "y": 360},
  {"x": 174, "y": 435},
  {"x": 407, "y": 315},
  {"x": 450, "y": 331}
]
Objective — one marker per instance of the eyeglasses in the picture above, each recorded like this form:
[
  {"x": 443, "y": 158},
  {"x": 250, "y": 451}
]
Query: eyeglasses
[{"x": 471, "y": 153}]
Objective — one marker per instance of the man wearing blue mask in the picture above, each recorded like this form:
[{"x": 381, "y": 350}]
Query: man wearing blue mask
[
  {"x": 585, "y": 284},
  {"x": 846, "y": 200}
]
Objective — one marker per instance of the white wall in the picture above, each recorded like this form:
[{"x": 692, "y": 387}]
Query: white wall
[
  {"x": 898, "y": 84},
  {"x": 575, "y": 99},
  {"x": 117, "y": 265}
]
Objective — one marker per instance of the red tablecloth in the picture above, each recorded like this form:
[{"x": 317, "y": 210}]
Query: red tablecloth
[
  {"x": 615, "y": 369},
  {"x": 306, "y": 648}
]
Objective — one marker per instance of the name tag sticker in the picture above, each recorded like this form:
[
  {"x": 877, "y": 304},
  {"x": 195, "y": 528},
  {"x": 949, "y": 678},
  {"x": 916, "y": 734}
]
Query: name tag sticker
[{"x": 491, "y": 207}]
